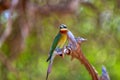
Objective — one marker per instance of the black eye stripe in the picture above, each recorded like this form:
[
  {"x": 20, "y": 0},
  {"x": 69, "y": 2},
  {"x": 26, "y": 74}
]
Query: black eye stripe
[
  {"x": 62, "y": 26},
  {"x": 65, "y": 27}
]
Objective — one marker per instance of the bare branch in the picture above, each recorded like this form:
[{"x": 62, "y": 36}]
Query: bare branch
[
  {"x": 3, "y": 59},
  {"x": 4, "y": 4},
  {"x": 69, "y": 7},
  {"x": 8, "y": 29},
  {"x": 77, "y": 53},
  {"x": 74, "y": 49}
]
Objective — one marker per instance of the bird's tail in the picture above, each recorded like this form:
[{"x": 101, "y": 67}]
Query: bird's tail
[
  {"x": 47, "y": 76},
  {"x": 49, "y": 70},
  {"x": 50, "y": 59}
]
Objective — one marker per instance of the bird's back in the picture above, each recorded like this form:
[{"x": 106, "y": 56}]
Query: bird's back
[{"x": 54, "y": 44}]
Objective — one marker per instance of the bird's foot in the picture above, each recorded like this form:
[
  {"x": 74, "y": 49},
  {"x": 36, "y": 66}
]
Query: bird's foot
[
  {"x": 62, "y": 55},
  {"x": 59, "y": 50}
]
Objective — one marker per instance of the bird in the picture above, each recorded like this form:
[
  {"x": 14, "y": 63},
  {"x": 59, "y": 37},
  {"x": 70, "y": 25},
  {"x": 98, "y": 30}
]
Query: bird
[{"x": 58, "y": 43}]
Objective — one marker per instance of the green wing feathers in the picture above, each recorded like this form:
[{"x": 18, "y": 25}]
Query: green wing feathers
[{"x": 54, "y": 44}]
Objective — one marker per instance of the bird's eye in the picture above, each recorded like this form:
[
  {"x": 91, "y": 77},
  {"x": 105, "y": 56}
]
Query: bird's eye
[{"x": 64, "y": 26}]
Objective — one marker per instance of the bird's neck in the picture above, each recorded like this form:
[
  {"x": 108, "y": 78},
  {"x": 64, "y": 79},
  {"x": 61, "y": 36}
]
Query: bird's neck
[{"x": 63, "y": 31}]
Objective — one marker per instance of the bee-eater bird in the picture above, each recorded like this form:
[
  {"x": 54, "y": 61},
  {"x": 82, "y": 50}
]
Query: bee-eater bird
[{"x": 58, "y": 43}]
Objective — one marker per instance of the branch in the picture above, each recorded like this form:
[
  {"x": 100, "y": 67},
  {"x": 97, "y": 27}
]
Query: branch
[
  {"x": 79, "y": 55},
  {"x": 74, "y": 49},
  {"x": 69, "y": 7},
  {"x": 8, "y": 29},
  {"x": 4, "y": 4},
  {"x": 3, "y": 59}
]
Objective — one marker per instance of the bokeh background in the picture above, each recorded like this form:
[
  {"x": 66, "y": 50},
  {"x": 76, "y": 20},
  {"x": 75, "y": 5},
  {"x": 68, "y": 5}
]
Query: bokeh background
[{"x": 28, "y": 27}]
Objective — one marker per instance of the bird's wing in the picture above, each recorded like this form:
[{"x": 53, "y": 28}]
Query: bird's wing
[{"x": 54, "y": 44}]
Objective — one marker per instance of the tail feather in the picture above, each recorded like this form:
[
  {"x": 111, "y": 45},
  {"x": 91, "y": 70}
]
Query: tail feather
[
  {"x": 47, "y": 76},
  {"x": 50, "y": 59},
  {"x": 49, "y": 70}
]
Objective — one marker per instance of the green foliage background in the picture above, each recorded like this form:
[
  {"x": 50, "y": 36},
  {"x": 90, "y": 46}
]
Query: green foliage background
[{"x": 101, "y": 48}]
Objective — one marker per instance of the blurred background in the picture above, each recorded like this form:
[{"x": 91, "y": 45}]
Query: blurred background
[{"x": 28, "y": 27}]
